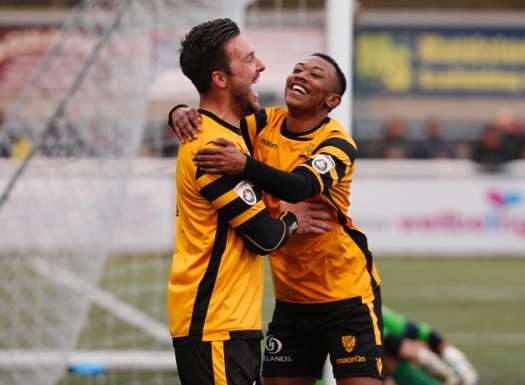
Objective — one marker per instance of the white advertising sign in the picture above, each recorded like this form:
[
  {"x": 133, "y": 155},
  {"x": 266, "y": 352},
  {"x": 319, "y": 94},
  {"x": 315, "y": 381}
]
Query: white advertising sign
[
  {"x": 443, "y": 216},
  {"x": 464, "y": 213}
]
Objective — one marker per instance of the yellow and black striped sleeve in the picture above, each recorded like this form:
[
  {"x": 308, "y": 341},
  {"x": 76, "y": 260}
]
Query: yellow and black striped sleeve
[
  {"x": 327, "y": 165},
  {"x": 240, "y": 204},
  {"x": 251, "y": 125}
]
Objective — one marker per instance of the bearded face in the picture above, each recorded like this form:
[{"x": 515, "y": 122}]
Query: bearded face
[
  {"x": 244, "y": 97},
  {"x": 244, "y": 71}
]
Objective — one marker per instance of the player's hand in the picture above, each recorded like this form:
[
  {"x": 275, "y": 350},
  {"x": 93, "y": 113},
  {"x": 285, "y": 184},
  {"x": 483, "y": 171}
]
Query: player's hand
[
  {"x": 186, "y": 123},
  {"x": 436, "y": 366},
  {"x": 313, "y": 217},
  {"x": 224, "y": 158},
  {"x": 460, "y": 364}
]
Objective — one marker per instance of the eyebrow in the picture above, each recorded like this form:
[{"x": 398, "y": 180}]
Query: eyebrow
[{"x": 313, "y": 68}]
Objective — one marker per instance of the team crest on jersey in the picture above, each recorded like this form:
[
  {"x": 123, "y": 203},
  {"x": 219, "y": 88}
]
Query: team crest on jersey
[
  {"x": 245, "y": 191},
  {"x": 307, "y": 152},
  {"x": 348, "y": 343},
  {"x": 323, "y": 163}
]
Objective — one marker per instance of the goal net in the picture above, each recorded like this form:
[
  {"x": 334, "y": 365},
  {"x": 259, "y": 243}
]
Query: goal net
[
  {"x": 76, "y": 128},
  {"x": 83, "y": 292}
]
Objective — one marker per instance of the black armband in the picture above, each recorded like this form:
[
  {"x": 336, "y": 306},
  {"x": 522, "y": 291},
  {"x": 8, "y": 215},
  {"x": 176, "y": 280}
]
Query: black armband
[
  {"x": 170, "y": 121},
  {"x": 263, "y": 234},
  {"x": 290, "y": 220},
  {"x": 411, "y": 330},
  {"x": 293, "y": 187},
  {"x": 434, "y": 341}
]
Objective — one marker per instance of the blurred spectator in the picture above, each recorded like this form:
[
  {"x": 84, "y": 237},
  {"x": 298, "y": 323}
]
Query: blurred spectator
[
  {"x": 513, "y": 133},
  {"x": 170, "y": 143},
  {"x": 491, "y": 151},
  {"x": 21, "y": 148},
  {"x": 4, "y": 148},
  {"x": 462, "y": 150},
  {"x": 393, "y": 144},
  {"x": 147, "y": 150},
  {"x": 434, "y": 145}
]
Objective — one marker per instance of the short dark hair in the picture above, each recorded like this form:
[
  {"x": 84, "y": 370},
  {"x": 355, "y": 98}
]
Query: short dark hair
[
  {"x": 340, "y": 75},
  {"x": 202, "y": 51}
]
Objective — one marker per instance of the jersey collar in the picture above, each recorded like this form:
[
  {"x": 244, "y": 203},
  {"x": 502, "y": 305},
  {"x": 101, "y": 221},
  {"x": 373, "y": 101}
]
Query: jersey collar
[
  {"x": 223, "y": 123},
  {"x": 302, "y": 136}
]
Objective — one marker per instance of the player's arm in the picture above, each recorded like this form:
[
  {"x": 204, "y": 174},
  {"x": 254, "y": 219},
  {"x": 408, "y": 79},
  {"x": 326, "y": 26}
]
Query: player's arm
[
  {"x": 240, "y": 204},
  {"x": 398, "y": 349},
  {"x": 328, "y": 164},
  {"x": 264, "y": 234},
  {"x": 398, "y": 325},
  {"x": 186, "y": 124}
]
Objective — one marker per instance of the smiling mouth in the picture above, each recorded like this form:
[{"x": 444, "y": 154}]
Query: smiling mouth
[
  {"x": 253, "y": 91},
  {"x": 298, "y": 88}
]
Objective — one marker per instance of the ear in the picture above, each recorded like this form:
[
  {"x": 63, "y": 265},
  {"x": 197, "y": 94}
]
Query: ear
[
  {"x": 333, "y": 101},
  {"x": 219, "y": 79}
]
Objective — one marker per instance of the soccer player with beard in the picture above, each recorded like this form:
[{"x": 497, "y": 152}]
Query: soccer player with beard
[
  {"x": 216, "y": 279},
  {"x": 326, "y": 286}
]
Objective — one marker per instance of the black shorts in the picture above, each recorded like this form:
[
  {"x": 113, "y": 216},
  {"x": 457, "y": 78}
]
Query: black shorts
[
  {"x": 301, "y": 335},
  {"x": 232, "y": 362}
]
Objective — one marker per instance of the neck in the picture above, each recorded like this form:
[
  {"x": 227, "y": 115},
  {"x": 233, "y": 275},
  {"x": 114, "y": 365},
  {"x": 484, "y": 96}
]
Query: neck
[
  {"x": 221, "y": 105},
  {"x": 300, "y": 121}
]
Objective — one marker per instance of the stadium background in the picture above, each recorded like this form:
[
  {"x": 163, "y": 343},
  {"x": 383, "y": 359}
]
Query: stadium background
[{"x": 448, "y": 232}]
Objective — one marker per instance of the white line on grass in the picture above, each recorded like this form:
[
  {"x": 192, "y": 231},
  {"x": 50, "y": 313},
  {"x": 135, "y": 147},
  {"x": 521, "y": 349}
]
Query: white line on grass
[
  {"x": 107, "y": 360},
  {"x": 120, "y": 309},
  {"x": 487, "y": 339},
  {"x": 457, "y": 293}
]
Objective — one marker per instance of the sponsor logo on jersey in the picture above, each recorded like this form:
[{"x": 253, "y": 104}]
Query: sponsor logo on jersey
[
  {"x": 273, "y": 345},
  {"x": 245, "y": 191},
  {"x": 348, "y": 343},
  {"x": 277, "y": 358},
  {"x": 323, "y": 163},
  {"x": 350, "y": 360},
  {"x": 267, "y": 143}
]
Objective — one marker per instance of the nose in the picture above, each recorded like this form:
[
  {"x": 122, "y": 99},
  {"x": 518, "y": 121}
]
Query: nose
[
  {"x": 259, "y": 66},
  {"x": 300, "y": 75}
]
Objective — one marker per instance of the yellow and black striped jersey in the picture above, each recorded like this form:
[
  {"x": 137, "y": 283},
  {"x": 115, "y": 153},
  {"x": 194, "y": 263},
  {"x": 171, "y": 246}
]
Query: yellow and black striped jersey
[
  {"x": 216, "y": 281},
  {"x": 322, "y": 268}
]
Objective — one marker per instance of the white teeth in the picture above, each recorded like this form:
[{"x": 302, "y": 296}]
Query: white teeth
[{"x": 298, "y": 88}]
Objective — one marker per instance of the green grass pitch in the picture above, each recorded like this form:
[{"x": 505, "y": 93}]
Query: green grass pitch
[{"x": 478, "y": 304}]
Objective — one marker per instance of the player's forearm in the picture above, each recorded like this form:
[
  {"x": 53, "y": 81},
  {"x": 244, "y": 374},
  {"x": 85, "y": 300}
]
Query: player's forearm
[
  {"x": 264, "y": 234},
  {"x": 461, "y": 365},
  {"x": 291, "y": 187}
]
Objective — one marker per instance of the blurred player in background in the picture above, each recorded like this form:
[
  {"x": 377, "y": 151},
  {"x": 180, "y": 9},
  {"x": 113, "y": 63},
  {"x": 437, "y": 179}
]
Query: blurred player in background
[
  {"x": 326, "y": 286},
  {"x": 415, "y": 354},
  {"x": 216, "y": 281}
]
